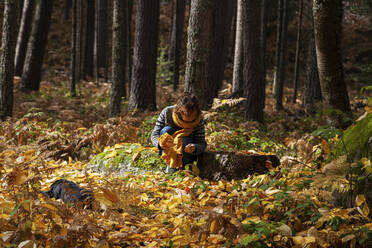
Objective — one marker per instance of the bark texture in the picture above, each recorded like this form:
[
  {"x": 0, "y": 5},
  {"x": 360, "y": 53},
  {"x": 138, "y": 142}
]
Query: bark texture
[
  {"x": 312, "y": 91},
  {"x": 118, "y": 55},
  {"x": 220, "y": 33},
  {"x": 176, "y": 39},
  {"x": 143, "y": 91},
  {"x": 23, "y": 35},
  {"x": 254, "y": 89},
  {"x": 198, "y": 45},
  {"x": 298, "y": 47},
  {"x": 89, "y": 39},
  {"x": 237, "y": 89},
  {"x": 31, "y": 75},
  {"x": 8, "y": 43},
  {"x": 327, "y": 25},
  {"x": 73, "y": 78}
]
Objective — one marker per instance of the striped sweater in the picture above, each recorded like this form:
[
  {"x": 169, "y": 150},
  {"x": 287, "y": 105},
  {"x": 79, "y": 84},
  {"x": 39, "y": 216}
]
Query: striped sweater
[{"x": 165, "y": 119}]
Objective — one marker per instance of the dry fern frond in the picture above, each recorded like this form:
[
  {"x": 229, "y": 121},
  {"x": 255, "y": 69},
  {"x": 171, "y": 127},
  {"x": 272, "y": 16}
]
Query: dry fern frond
[{"x": 219, "y": 103}]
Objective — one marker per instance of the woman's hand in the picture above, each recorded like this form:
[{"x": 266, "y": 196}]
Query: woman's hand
[{"x": 190, "y": 148}]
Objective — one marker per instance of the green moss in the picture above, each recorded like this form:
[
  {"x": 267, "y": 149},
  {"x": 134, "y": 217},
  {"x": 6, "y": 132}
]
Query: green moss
[
  {"x": 120, "y": 160},
  {"x": 356, "y": 139}
]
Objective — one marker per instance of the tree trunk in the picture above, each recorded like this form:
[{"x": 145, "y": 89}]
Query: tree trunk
[
  {"x": 96, "y": 42},
  {"x": 143, "y": 90},
  {"x": 237, "y": 89},
  {"x": 263, "y": 38},
  {"x": 31, "y": 75},
  {"x": 220, "y": 33},
  {"x": 79, "y": 31},
  {"x": 118, "y": 55},
  {"x": 23, "y": 36},
  {"x": 298, "y": 47},
  {"x": 327, "y": 25},
  {"x": 89, "y": 40},
  {"x": 176, "y": 39},
  {"x": 254, "y": 89},
  {"x": 312, "y": 92},
  {"x": 129, "y": 43},
  {"x": 103, "y": 35},
  {"x": 73, "y": 49},
  {"x": 8, "y": 43},
  {"x": 280, "y": 73},
  {"x": 278, "y": 44},
  {"x": 68, "y": 4},
  {"x": 198, "y": 44}
]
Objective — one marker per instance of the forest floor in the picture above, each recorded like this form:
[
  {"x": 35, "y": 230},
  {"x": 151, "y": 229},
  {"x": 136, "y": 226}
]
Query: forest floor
[{"x": 54, "y": 136}]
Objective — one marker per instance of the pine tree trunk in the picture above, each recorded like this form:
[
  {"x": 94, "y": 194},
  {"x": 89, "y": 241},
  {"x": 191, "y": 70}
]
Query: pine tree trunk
[
  {"x": 221, "y": 25},
  {"x": 198, "y": 44},
  {"x": 68, "y": 4},
  {"x": 78, "y": 41},
  {"x": 143, "y": 90},
  {"x": 328, "y": 29},
  {"x": 23, "y": 36},
  {"x": 298, "y": 47},
  {"x": 129, "y": 43},
  {"x": 8, "y": 43},
  {"x": 102, "y": 38},
  {"x": 312, "y": 92},
  {"x": 278, "y": 44},
  {"x": 119, "y": 26},
  {"x": 96, "y": 42},
  {"x": 254, "y": 89},
  {"x": 176, "y": 39},
  {"x": 263, "y": 39},
  {"x": 73, "y": 49},
  {"x": 280, "y": 73},
  {"x": 237, "y": 89},
  {"x": 31, "y": 75},
  {"x": 89, "y": 39}
]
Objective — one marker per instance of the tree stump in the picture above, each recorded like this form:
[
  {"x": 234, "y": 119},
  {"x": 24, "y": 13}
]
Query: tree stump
[{"x": 229, "y": 165}]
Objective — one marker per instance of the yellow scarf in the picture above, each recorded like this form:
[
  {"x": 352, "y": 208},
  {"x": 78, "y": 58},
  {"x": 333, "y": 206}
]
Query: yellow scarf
[{"x": 172, "y": 155}]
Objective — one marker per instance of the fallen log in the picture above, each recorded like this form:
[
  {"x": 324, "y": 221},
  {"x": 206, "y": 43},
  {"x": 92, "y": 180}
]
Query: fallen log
[{"x": 229, "y": 165}]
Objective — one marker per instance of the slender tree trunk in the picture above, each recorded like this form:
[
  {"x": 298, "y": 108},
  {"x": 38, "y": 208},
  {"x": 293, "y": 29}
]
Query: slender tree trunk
[
  {"x": 119, "y": 49},
  {"x": 263, "y": 33},
  {"x": 278, "y": 44},
  {"x": 89, "y": 39},
  {"x": 279, "y": 86},
  {"x": 176, "y": 39},
  {"x": 23, "y": 36},
  {"x": 7, "y": 52},
  {"x": 221, "y": 25},
  {"x": 198, "y": 44},
  {"x": 118, "y": 55},
  {"x": 31, "y": 75},
  {"x": 129, "y": 43},
  {"x": 312, "y": 91},
  {"x": 20, "y": 10},
  {"x": 237, "y": 89},
  {"x": 143, "y": 90},
  {"x": 68, "y": 4},
  {"x": 78, "y": 41},
  {"x": 254, "y": 89},
  {"x": 297, "y": 61},
  {"x": 103, "y": 35},
  {"x": 328, "y": 30},
  {"x": 73, "y": 49},
  {"x": 96, "y": 42}
]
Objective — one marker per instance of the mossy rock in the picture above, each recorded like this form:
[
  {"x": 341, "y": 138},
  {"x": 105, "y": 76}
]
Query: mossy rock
[
  {"x": 356, "y": 139},
  {"x": 127, "y": 158}
]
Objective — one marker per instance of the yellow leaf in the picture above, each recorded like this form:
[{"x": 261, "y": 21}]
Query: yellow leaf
[
  {"x": 298, "y": 240},
  {"x": 221, "y": 186},
  {"x": 102, "y": 199},
  {"x": 325, "y": 146},
  {"x": 365, "y": 161},
  {"x": 110, "y": 195},
  {"x": 309, "y": 240},
  {"x": 214, "y": 226},
  {"x": 48, "y": 206},
  {"x": 360, "y": 199},
  {"x": 137, "y": 153},
  {"x": 254, "y": 219},
  {"x": 365, "y": 210},
  {"x": 111, "y": 154},
  {"x": 368, "y": 109}
]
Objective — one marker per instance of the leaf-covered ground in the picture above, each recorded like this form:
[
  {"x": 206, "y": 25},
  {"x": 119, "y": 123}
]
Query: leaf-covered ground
[{"x": 53, "y": 136}]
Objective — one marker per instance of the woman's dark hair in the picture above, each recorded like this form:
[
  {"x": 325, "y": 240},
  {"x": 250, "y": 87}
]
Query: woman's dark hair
[{"x": 188, "y": 101}]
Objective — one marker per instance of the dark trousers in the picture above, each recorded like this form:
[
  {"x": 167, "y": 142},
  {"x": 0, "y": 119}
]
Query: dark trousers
[{"x": 187, "y": 158}]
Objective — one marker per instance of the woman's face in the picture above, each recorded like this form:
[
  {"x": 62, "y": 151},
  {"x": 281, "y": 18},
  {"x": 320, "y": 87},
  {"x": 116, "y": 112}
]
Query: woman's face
[{"x": 187, "y": 116}]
